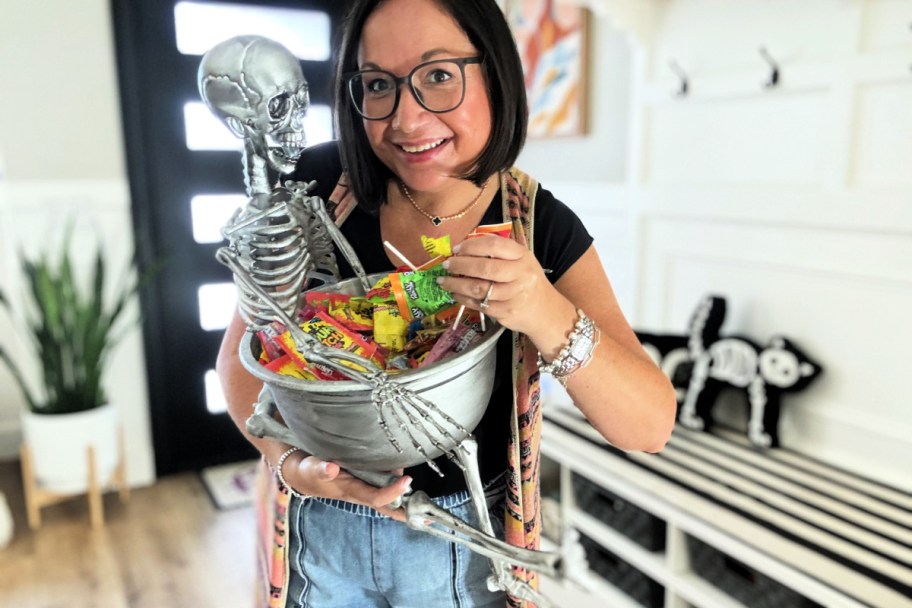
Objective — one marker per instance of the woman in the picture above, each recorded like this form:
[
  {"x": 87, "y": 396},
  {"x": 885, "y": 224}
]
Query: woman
[{"x": 431, "y": 113}]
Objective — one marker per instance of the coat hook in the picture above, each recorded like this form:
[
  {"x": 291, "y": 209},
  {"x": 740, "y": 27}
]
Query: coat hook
[
  {"x": 774, "y": 74},
  {"x": 685, "y": 85}
]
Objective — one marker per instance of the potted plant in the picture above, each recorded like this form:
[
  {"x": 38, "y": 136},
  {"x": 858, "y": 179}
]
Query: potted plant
[{"x": 72, "y": 326}]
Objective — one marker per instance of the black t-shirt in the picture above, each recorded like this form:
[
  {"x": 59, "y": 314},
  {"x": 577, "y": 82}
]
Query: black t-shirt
[{"x": 559, "y": 240}]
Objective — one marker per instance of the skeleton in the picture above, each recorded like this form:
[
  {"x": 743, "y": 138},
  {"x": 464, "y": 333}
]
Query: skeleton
[
  {"x": 281, "y": 238},
  {"x": 743, "y": 364},
  {"x": 281, "y": 241}
]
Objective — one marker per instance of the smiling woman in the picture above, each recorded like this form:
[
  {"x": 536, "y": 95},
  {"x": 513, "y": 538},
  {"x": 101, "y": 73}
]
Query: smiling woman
[{"x": 431, "y": 109}]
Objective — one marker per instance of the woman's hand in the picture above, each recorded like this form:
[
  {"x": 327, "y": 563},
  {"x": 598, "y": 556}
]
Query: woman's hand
[
  {"x": 518, "y": 287},
  {"x": 314, "y": 477}
]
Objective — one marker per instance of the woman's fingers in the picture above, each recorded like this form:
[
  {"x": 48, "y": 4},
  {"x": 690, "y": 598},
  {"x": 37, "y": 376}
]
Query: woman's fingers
[
  {"x": 316, "y": 477},
  {"x": 490, "y": 257},
  {"x": 490, "y": 246},
  {"x": 476, "y": 289}
]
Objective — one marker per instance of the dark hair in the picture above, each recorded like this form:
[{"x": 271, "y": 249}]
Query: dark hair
[{"x": 487, "y": 30}]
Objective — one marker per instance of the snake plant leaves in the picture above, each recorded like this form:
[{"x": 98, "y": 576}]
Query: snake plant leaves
[{"x": 72, "y": 330}]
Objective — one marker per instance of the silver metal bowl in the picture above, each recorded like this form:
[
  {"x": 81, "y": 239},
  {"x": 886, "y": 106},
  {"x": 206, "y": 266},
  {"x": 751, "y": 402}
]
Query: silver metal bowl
[{"x": 338, "y": 421}]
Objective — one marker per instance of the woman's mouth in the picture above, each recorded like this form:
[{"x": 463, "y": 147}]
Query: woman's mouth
[{"x": 419, "y": 148}]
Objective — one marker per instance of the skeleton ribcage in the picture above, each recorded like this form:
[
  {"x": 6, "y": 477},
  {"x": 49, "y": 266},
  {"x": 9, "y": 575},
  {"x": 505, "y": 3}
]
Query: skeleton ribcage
[
  {"x": 733, "y": 361},
  {"x": 280, "y": 249}
]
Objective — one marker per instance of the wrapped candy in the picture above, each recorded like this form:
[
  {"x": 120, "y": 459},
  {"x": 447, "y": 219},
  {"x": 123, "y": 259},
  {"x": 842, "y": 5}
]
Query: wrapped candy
[{"x": 417, "y": 293}]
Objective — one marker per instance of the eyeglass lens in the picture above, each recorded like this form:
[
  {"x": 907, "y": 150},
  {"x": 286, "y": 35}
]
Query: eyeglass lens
[{"x": 438, "y": 86}]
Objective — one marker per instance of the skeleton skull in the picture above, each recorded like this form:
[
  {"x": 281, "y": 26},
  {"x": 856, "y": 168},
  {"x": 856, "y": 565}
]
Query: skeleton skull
[{"x": 256, "y": 87}]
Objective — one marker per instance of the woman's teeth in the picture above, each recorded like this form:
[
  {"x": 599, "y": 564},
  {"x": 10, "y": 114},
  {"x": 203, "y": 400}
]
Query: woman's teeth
[{"x": 422, "y": 147}]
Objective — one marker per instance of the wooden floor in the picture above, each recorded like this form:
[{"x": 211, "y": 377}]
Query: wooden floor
[{"x": 169, "y": 547}]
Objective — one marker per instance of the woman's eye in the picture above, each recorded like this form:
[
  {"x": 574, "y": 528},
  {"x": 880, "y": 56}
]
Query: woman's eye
[
  {"x": 377, "y": 86},
  {"x": 438, "y": 76}
]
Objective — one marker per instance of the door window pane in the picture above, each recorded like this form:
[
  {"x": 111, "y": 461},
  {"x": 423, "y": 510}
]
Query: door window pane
[
  {"x": 210, "y": 212},
  {"x": 204, "y": 131},
  {"x": 201, "y": 25},
  {"x": 215, "y": 398},
  {"x": 217, "y": 303}
]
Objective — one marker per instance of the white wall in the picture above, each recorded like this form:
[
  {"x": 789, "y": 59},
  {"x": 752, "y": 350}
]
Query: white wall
[
  {"x": 794, "y": 202},
  {"x": 60, "y": 138},
  {"x": 601, "y": 153}
]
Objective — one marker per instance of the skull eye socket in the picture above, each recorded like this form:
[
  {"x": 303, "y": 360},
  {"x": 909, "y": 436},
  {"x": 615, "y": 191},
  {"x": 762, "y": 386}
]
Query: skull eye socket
[{"x": 278, "y": 106}]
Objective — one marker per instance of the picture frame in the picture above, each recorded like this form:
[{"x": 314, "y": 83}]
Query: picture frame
[{"x": 552, "y": 40}]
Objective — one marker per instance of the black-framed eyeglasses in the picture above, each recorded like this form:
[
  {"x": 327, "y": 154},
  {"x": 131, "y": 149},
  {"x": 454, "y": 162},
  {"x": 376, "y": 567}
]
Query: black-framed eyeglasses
[{"x": 438, "y": 85}]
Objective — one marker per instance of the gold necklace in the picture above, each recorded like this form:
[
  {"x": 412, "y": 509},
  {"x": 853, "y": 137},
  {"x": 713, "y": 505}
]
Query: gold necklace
[{"x": 436, "y": 219}]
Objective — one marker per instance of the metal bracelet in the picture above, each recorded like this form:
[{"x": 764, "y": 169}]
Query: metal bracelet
[
  {"x": 576, "y": 354},
  {"x": 278, "y": 472}
]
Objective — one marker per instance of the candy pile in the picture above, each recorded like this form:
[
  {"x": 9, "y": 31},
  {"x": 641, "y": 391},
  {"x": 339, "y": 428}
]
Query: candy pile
[{"x": 405, "y": 321}]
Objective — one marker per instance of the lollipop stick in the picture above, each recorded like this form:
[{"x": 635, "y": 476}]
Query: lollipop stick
[{"x": 401, "y": 257}]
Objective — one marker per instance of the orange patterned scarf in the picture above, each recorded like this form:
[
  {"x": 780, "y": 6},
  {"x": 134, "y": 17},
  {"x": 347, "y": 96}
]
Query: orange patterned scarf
[{"x": 522, "y": 514}]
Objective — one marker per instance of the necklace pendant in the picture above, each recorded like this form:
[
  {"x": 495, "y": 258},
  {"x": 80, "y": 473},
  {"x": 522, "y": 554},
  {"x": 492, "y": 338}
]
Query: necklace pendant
[{"x": 436, "y": 220}]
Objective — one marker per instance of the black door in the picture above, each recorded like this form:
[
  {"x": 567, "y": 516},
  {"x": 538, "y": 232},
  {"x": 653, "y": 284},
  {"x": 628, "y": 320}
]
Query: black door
[{"x": 185, "y": 179}]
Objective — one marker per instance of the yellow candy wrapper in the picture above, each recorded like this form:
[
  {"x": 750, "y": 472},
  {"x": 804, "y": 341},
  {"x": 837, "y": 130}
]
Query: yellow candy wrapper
[
  {"x": 436, "y": 247},
  {"x": 390, "y": 329},
  {"x": 354, "y": 313}
]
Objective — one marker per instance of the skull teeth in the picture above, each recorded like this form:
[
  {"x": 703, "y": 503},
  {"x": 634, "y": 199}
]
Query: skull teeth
[
  {"x": 292, "y": 139},
  {"x": 289, "y": 152}
]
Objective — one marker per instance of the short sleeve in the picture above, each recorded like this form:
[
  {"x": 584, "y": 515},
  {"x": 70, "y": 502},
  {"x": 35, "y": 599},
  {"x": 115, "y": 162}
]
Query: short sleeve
[
  {"x": 320, "y": 162},
  {"x": 560, "y": 238}
]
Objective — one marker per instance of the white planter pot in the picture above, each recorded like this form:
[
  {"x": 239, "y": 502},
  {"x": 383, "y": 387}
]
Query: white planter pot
[{"x": 58, "y": 444}]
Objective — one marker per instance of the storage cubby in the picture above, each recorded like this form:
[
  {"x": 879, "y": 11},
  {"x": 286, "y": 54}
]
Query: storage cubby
[
  {"x": 635, "y": 523},
  {"x": 742, "y": 582},
  {"x": 622, "y": 575},
  {"x": 711, "y": 522}
]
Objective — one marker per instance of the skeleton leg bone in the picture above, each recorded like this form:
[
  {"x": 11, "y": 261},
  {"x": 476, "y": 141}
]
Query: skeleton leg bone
[{"x": 419, "y": 508}]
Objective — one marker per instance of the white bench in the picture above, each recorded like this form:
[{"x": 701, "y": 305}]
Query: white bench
[{"x": 822, "y": 534}]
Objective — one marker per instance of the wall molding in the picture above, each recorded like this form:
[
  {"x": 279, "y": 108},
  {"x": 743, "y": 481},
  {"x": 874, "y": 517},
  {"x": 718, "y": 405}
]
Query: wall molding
[{"x": 40, "y": 196}]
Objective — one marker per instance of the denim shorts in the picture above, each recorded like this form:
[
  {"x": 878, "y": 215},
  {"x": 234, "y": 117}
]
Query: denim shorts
[{"x": 343, "y": 555}]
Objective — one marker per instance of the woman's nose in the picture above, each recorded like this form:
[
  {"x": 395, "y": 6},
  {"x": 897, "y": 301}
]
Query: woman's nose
[{"x": 410, "y": 114}]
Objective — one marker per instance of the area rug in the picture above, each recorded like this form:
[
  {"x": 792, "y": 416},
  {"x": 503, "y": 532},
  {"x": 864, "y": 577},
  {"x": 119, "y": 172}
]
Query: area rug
[{"x": 230, "y": 485}]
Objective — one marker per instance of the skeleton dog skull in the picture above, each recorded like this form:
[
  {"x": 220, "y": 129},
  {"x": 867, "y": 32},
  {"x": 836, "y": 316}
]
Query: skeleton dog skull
[{"x": 256, "y": 87}]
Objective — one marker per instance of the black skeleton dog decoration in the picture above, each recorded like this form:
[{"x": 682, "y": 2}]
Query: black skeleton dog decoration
[
  {"x": 763, "y": 372},
  {"x": 702, "y": 363}
]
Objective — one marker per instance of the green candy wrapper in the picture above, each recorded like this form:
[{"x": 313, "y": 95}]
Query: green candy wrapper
[{"x": 418, "y": 294}]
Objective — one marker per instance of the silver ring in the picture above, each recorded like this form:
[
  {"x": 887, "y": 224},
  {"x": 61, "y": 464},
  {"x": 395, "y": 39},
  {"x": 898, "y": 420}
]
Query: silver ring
[{"x": 484, "y": 303}]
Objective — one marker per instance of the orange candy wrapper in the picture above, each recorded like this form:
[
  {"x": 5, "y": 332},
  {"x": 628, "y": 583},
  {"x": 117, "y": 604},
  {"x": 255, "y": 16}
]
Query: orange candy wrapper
[
  {"x": 504, "y": 229},
  {"x": 287, "y": 366}
]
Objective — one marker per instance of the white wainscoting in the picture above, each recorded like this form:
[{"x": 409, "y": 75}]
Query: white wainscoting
[
  {"x": 794, "y": 202},
  {"x": 840, "y": 295},
  {"x": 33, "y": 216}
]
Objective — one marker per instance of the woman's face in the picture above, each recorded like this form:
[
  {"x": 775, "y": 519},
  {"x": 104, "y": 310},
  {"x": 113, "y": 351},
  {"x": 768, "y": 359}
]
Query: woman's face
[{"x": 422, "y": 148}]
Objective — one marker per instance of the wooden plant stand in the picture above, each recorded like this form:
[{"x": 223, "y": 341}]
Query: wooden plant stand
[{"x": 36, "y": 497}]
